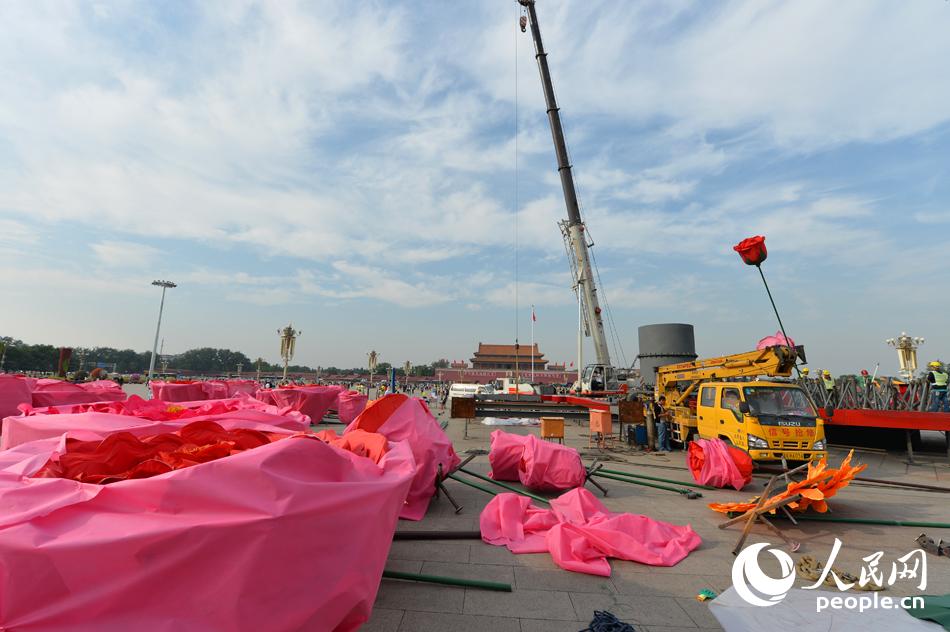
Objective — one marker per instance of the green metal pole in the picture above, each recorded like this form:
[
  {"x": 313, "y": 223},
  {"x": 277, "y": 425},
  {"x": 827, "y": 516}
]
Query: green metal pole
[
  {"x": 448, "y": 581},
  {"x": 656, "y": 478},
  {"x": 506, "y": 486},
  {"x": 890, "y": 523},
  {"x": 471, "y": 484},
  {"x": 678, "y": 490}
]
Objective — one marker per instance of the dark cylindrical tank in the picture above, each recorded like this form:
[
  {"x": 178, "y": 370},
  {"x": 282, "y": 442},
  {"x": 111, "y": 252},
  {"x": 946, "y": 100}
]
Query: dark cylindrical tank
[{"x": 668, "y": 343}]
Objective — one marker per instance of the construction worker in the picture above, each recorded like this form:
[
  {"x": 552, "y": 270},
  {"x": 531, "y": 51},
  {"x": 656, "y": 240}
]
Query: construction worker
[
  {"x": 829, "y": 384},
  {"x": 938, "y": 378},
  {"x": 865, "y": 379},
  {"x": 662, "y": 417}
]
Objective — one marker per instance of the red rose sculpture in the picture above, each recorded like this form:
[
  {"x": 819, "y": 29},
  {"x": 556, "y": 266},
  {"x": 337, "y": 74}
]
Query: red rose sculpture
[{"x": 752, "y": 250}]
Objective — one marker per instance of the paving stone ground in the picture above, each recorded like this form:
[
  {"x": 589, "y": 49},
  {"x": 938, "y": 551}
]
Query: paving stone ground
[{"x": 546, "y": 598}]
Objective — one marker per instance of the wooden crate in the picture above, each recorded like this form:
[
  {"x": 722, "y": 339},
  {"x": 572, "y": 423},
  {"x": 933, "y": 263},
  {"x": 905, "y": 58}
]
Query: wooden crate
[
  {"x": 552, "y": 428},
  {"x": 463, "y": 407},
  {"x": 600, "y": 422}
]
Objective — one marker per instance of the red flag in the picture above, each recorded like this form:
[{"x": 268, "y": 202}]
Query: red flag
[
  {"x": 572, "y": 363},
  {"x": 533, "y": 317}
]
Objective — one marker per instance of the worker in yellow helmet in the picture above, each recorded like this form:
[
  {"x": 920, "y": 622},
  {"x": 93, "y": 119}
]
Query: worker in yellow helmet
[
  {"x": 804, "y": 371},
  {"x": 938, "y": 377},
  {"x": 829, "y": 384}
]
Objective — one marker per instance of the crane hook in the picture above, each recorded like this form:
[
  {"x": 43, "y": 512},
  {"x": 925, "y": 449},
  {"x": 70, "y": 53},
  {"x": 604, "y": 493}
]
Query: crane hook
[{"x": 524, "y": 23}]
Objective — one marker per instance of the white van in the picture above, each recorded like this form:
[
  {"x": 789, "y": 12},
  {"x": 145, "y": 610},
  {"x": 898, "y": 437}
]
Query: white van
[{"x": 465, "y": 390}]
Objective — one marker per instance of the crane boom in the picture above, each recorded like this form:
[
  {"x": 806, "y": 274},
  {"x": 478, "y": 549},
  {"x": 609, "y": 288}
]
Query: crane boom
[{"x": 575, "y": 225}]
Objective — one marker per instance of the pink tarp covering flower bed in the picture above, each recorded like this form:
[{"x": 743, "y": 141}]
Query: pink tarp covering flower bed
[
  {"x": 59, "y": 392},
  {"x": 313, "y": 401},
  {"x": 539, "y": 465},
  {"x": 14, "y": 391},
  {"x": 291, "y": 535},
  {"x": 580, "y": 533},
  {"x": 713, "y": 462},
  {"x": 402, "y": 418},
  {"x": 179, "y": 391},
  {"x": 349, "y": 405},
  {"x": 144, "y": 417}
]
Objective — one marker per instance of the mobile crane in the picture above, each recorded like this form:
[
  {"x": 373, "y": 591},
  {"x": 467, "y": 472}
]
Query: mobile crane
[
  {"x": 717, "y": 398},
  {"x": 601, "y": 376}
]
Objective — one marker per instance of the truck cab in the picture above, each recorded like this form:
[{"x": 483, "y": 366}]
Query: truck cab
[{"x": 770, "y": 420}]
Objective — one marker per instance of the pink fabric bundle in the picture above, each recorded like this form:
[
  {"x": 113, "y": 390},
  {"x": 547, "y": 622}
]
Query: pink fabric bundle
[
  {"x": 146, "y": 418},
  {"x": 291, "y": 535},
  {"x": 178, "y": 392},
  {"x": 548, "y": 466},
  {"x": 505, "y": 455},
  {"x": 580, "y": 533},
  {"x": 713, "y": 462},
  {"x": 59, "y": 392},
  {"x": 401, "y": 418},
  {"x": 349, "y": 405},
  {"x": 313, "y": 401},
  {"x": 772, "y": 341},
  {"x": 539, "y": 465},
  {"x": 14, "y": 391}
]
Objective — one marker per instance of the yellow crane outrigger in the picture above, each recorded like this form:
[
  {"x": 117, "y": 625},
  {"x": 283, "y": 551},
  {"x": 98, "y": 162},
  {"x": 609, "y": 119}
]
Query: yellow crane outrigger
[{"x": 716, "y": 398}]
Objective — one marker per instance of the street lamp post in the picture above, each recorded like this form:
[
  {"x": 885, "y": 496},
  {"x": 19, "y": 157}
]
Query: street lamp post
[
  {"x": 373, "y": 361},
  {"x": 906, "y": 347},
  {"x": 288, "y": 341},
  {"x": 165, "y": 285}
]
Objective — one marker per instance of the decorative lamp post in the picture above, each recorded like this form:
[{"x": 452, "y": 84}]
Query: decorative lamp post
[
  {"x": 259, "y": 361},
  {"x": 165, "y": 285},
  {"x": 906, "y": 353},
  {"x": 240, "y": 366},
  {"x": 288, "y": 340},
  {"x": 372, "y": 363},
  {"x": 407, "y": 369}
]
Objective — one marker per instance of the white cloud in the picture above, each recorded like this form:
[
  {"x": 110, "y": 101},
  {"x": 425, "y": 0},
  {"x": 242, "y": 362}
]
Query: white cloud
[{"x": 124, "y": 253}]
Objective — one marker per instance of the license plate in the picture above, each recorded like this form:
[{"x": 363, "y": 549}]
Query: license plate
[{"x": 794, "y": 456}]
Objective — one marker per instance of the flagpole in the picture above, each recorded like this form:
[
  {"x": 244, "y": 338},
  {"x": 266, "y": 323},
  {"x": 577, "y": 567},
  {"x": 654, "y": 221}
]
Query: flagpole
[{"x": 532, "y": 344}]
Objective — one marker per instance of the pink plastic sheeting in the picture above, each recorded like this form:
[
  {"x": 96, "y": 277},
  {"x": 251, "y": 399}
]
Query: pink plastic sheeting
[
  {"x": 580, "y": 533},
  {"x": 59, "y": 392},
  {"x": 238, "y": 387},
  {"x": 505, "y": 455},
  {"x": 171, "y": 392},
  {"x": 716, "y": 466},
  {"x": 548, "y": 466},
  {"x": 539, "y": 465},
  {"x": 777, "y": 339},
  {"x": 349, "y": 405},
  {"x": 401, "y": 418},
  {"x": 19, "y": 430},
  {"x": 313, "y": 401},
  {"x": 14, "y": 391},
  {"x": 292, "y": 535}
]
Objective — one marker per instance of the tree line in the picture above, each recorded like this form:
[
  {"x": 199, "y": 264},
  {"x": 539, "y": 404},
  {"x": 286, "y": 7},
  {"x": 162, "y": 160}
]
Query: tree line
[{"x": 16, "y": 355}]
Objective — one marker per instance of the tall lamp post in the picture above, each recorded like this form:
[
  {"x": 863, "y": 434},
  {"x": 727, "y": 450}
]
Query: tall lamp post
[
  {"x": 407, "y": 369},
  {"x": 373, "y": 361},
  {"x": 906, "y": 353},
  {"x": 288, "y": 340},
  {"x": 165, "y": 285}
]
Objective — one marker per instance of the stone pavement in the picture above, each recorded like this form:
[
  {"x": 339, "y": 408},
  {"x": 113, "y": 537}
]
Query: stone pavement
[{"x": 547, "y": 598}]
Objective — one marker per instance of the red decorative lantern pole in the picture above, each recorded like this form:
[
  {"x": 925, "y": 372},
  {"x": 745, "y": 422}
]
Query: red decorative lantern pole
[{"x": 753, "y": 253}]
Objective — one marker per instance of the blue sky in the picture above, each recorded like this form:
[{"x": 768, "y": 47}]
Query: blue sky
[{"x": 350, "y": 167}]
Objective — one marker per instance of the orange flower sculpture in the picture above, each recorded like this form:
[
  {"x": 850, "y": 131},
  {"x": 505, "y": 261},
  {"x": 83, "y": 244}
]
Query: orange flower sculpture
[{"x": 819, "y": 485}]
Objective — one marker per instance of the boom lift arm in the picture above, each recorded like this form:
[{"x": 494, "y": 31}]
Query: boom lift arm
[
  {"x": 574, "y": 227},
  {"x": 777, "y": 361}
]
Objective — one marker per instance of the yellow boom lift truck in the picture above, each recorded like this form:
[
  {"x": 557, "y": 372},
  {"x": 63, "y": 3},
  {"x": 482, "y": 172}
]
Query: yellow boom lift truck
[{"x": 718, "y": 397}]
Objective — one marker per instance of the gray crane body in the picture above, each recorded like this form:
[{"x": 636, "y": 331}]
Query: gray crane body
[{"x": 573, "y": 228}]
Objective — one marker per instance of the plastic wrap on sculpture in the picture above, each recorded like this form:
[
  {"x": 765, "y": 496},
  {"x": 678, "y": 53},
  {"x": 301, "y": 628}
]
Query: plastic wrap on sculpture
[
  {"x": 313, "y": 401},
  {"x": 772, "y": 341},
  {"x": 37, "y": 425},
  {"x": 548, "y": 466},
  {"x": 178, "y": 391},
  {"x": 14, "y": 391},
  {"x": 505, "y": 455},
  {"x": 349, "y": 405},
  {"x": 291, "y": 535},
  {"x": 539, "y": 465},
  {"x": 580, "y": 533},
  {"x": 713, "y": 462},
  {"x": 401, "y": 418},
  {"x": 59, "y": 392}
]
